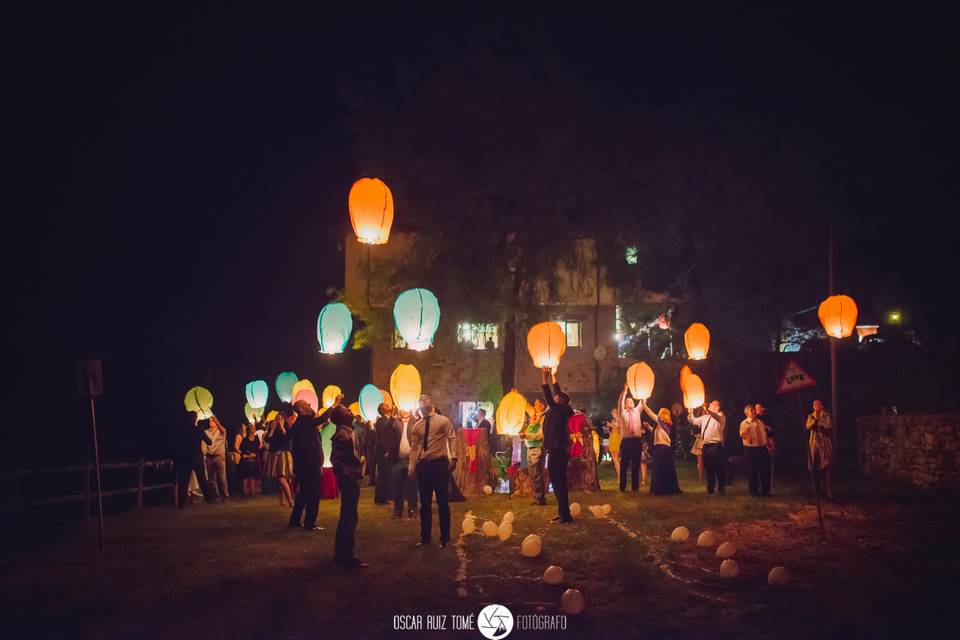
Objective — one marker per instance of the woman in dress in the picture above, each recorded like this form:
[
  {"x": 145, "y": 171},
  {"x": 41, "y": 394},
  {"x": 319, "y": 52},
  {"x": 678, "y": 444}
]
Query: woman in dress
[
  {"x": 820, "y": 426},
  {"x": 613, "y": 445},
  {"x": 664, "y": 472},
  {"x": 248, "y": 446},
  {"x": 281, "y": 459}
]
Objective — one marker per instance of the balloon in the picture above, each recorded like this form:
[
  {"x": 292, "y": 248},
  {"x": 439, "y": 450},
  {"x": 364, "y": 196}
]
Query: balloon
[
  {"x": 596, "y": 510},
  {"x": 680, "y": 534},
  {"x": 505, "y": 530},
  {"x": 284, "y": 385},
  {"x": 257, "y": 392},
  {"x": 200, "y": 401},
  {"x": 729, "y": 569},
  {"x": 468, "y": 526},
  {"x": 706, "y": 539},
  {"x": 726, "y": 550},
  {"x": 416, "y": 314},
  {"x": 838, "y": 315},
  {"x": 572, "y": 602},
  {"x": 509, "y": 516},
  {"x": 310, "y": 396},
  {"x": 697, "y": 340},
  {"x": 370, "y": 400},
  {"x": 553, "y": 575},
  {"x": 330, "y": 393},
  {"x": 510, "y": 413},
  {"x": 406, "y": 386},
  {"x": 546, "y": 343},
  {"x": 778, "y": 577},
  {"x": 490, "y": 528},
  {"x": 371, "y": 210},
  {"x": 334, "y": 325},
  {"x": 532, "y": 545},
  {"x": 606, "y": 509},
  {"x": 574, "y": 509},
  {"x": 640, "y": 380},
  {"x": 487, "y": 489}
]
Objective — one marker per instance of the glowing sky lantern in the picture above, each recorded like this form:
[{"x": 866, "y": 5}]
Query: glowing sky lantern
[
  {"x": 546, "y": 342},
  {"x": 257, "y": 392},
  {"x": 838, "y": 315},
  {"x": 416, "y": 314},
  {"x": 640, "y": 380},
  {"x": 200, "y": 401},
  {"x": 310, "y": 396},
  {"x": 330, "y": 393},
  {"x": 694, "y": 394},
  {"x": 301, "y": 384},
  {"x": 370, "y": 399},
  {"x": 354, "y": 408},
  {"x": 406, "y": 386},
  {"x": 685, "y": 373},
  {"x": 334, "y": 325},
  {"x": 253, "y": 414},
  {"x": 272, "y": 415},
  {"x": 284, "y": 385},
  {"x": 371, "y": 210},
  {"x": 697, "y": 340},
  {"x": 511, "y": 412},
  {"x": 387, "y": 398},
  {"x": 326, "y": 441}
]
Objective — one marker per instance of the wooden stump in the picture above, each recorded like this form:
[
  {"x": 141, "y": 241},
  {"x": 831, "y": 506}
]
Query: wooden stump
[{"x": 471, "y": 484}]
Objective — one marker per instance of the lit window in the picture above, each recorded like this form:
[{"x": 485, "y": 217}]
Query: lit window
[
  {"x": 398, "y": 341},
  {"x": 631, "y": 255},
  {"x": 468, "y": 413},
  {"x": 480, "y": 335},
  {"x": 571, "y": 328}
]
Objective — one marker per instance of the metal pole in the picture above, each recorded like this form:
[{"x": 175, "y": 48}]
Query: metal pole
[
  {"x": 833, "y": 361},
  {"x": 96, "y": 459}
]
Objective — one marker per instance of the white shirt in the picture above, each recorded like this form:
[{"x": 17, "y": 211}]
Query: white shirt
[
  {"x": 404, "y": 441},
  {"x": 660, "y": 435},
  {"x": 711, "y": 429},
  {"x": 219, "y": 440},
  {"x": 631, "y": 426},
  {"x": 753, "y": 433}
]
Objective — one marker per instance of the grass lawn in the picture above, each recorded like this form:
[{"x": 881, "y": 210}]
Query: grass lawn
[{"x": 236, "y": 571}]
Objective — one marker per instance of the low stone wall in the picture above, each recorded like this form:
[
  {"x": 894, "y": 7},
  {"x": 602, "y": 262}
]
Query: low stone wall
[{"x": 923, "y": 450}]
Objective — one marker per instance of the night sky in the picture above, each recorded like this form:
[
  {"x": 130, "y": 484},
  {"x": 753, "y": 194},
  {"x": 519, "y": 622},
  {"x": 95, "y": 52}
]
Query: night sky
[{"x": 181, "y": 173}]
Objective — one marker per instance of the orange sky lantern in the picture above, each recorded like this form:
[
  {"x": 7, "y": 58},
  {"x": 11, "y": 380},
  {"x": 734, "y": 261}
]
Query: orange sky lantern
[
  {"x": 511, "y": 413},
  {"x": 546, "y": 343},
  {"x": 406, "y": 386},
  {"x": 371, "y": 210},
  {"x": 640, "y": 380},
  {"x": 694, "y": 394},
  {"x": 838, "y": 315},
  {"x": 697, "y": 341}
]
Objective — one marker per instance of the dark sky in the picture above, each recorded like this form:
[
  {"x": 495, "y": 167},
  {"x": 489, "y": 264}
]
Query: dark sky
[{"x": 182, "y": 171}]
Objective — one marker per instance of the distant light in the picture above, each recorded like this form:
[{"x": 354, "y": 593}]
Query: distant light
[
  {"x": 895, "y": 316},
  {"x": 631, "y": 255},
  {"x": 618, "y": 337}
]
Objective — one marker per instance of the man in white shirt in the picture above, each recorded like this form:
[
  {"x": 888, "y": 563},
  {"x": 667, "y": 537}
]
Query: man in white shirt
[
  {"x": 631, "y": 441},
  {"x": 403, "y": 485},
  {"x": 711, "y": 424},
  {"x": 754, "y": 435},
  {"x": 215, "y": 457}
]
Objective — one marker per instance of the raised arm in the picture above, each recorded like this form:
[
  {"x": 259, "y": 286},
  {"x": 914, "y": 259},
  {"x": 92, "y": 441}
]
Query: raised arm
[
  {"x": 545, "y": 383},
  {"x": 649, "y": 411}
]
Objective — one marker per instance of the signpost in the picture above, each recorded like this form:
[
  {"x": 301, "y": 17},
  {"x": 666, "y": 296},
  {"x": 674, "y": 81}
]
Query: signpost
[{"x": 90, "y": 385}]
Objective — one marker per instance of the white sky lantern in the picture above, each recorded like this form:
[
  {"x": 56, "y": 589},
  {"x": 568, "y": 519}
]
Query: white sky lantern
[
  {"x": 370, "y": 400},
  {"x": 334, "y": 325},
  {"x": 257, "y": 392},
  {"x": 416, "y": 314}
]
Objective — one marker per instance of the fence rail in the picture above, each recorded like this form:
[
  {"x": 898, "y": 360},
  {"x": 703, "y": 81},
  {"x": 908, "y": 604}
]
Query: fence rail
[{"x": 88, "y": 494}]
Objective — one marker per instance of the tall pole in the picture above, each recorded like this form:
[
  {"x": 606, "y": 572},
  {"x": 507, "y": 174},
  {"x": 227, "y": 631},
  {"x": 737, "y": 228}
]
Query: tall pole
[
  {"x": 96, "y": 459},
  {"x": 833, "y": 360}
]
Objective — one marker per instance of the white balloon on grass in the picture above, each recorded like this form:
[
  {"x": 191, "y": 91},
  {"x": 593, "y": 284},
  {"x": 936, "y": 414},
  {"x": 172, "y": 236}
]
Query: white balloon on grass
[
  {"x": 572, "y": 602},
  {"x": 505, "y": 530},
  {"x": 706, "y": 539},
  {"x": 726, "y": 550},
  {"x": 532, "y": 545},
  {"x": 574, "y": 509},
  {"x": 729, "y": 569},
  {"x": 553, "y": 575},
  {"x": 778, "y": 577},
  {"x": 509, "y": 517},
  {"x": 469, "y": 526},
  {"x": 490, "y": 528},
  {"x": 487, "y": 489},
  {"x": 680, "y": 534}
]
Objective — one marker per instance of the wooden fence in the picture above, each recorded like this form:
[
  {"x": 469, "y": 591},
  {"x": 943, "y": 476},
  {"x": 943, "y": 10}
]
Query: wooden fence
[{"x": 89, "y": 494}]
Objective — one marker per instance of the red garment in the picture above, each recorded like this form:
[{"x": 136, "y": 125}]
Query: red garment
[
  {"x": 470, "y": 437},
  {"x": 576, "y": 425},
  {"x": 328, "y": 484}
]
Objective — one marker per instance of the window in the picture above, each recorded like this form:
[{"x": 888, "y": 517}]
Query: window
[
  {"x": 571, "y": 328},
  {"x": 468, "y": 412},
  {"x": 482, "y": 335},
  {"x": 631, "y": 255}
]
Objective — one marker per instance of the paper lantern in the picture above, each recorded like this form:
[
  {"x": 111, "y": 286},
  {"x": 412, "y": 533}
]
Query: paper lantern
[
  {"x": 706, "y": 539},
  {"x": 200, "y": 401},
  {"x": 694, "y": 394},
  {"x": 310, "y": 396},
  {"x": 301, "y": 384},
  {"x": 726, "y": 550},
  {"x": 271, "y": 416},
  {"x": 334, "y": 325},
  {"x": 355, "y": 408},
  {"x": 680, "y": 534},
  {"x": 371, "y": 210},
  {"x": 330, "y": 393},
  {"x": 553, "y": 575},
  {"x": 729, "y": 569},
  {"x": 640, "y": 380},
  {"x": 778, "y": 577},
  {"x": 326, "y": 442},
  {"x": 511, "y": 413},
  {"x": 504, "y": 531},
  {"x": 546, "y": 343},
  {"x": 406, "y": 386},
  {"x": 490, "y": 529},
  {"x": 284, "y": 385},
  {"x": 838, "y": 315},
  {"x": 572, "y": 602},
  {"x": 532, "y": 545},
  {"x": 509, "y": 516},
  {"x": 469, "y": 526},
  {"x": 697, "y": 340},
  {"x": 257, "y": 392},
  {"x": 574, "y": 509},
  {"x": 370, "y": 400},
  {"x": 387, "y": 398},
  {"x": 416, "y": 314},
  {"x": 487, "y": 489},
  {"x": 606, "y": 509},
  {"x": 685, "y": 374},
  {"x": 253, "y": 414}
]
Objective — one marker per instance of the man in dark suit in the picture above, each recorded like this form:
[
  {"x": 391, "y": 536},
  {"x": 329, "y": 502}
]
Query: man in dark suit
[
  {"x": 556, "y": 440},
  {"x": 189, "y": 457},
  {"x": 307, "y": 451},
  {"x": 345, "y": 457},
  {"x": 388, "y": 442}
]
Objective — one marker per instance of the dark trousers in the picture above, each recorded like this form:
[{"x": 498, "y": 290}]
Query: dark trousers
[
  {"x": 714, "y": 461},
  {"x": 381, "y": 492},
  {"x": 403, "y": 486},
  {"x": 758, "y": 463},
  {"x": 557, "y": 468},
  {"x": 183, "y": 483},
  {"x": 345, "y": 542},
  {"x": 307, "y": 502},
  {"x": 433, "y": 476},
  {"x": 631, "y": 450}
]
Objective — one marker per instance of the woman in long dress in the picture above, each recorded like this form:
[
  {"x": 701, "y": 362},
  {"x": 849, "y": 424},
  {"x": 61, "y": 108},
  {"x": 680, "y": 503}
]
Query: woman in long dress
[
  {"x": 820, "y": 454},
  {"x": 613, "y": 444},
  {"x": 664, "y": 471}
]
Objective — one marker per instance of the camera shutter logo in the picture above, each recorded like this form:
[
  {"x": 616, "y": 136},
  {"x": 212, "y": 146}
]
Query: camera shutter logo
[{"x": 495, "y": 622}]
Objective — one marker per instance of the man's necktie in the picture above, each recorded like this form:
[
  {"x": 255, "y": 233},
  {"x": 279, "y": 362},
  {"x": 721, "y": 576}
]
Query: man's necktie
[{"x": 426, "y": 435}]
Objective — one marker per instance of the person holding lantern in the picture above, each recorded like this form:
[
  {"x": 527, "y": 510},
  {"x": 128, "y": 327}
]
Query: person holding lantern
[
  {"x": 710, "y": 427},
  {"x": 280, "y": 464},
  {"x": 308, "y": 462},
  {"x": 631, "y": 441},
  {"x": 215, "y": 457},
  {"x": 188, "y": 459},
  {"x": 348, "y": 469},
  {"x": 248, "y": 448},
  {"x": 820, "y": 454},
  {"x": 432, "y": 461},
  {"x": 532, "y": 433},
  {"x": 403, "y": 486},
  {"x": 754, "y": 436},
  {"x": 556, "y": 438},
  {"x": 664, "y": 480}
]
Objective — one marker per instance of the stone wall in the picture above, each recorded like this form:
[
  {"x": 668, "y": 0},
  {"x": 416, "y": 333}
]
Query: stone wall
[{"x": 923, "y": 450}]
